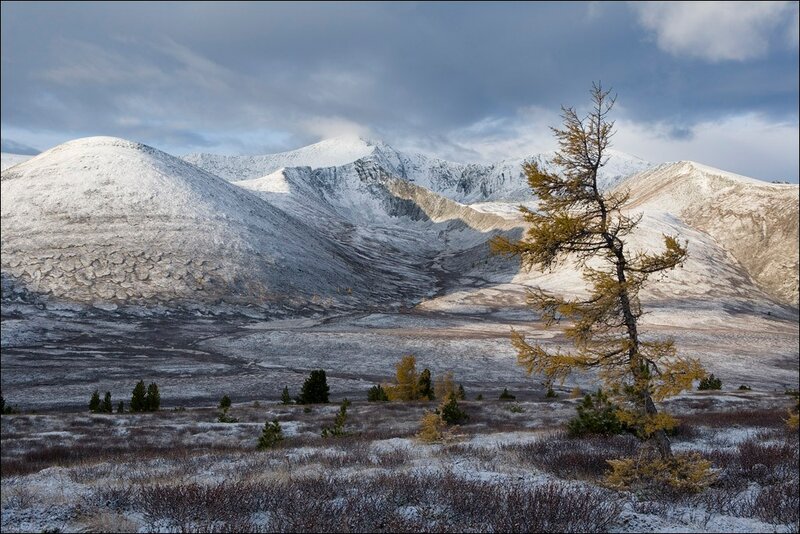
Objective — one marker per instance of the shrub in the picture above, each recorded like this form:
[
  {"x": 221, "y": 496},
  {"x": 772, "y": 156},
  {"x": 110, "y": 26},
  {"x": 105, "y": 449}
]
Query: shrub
[
  {"x": 551, "y": 393},
  {"x": 285, "y": 398},
  {"x": 745, "y": 388},
  {"x": 94, "y": 402},
  {"x": 315, "y": 388},
  {"x": 505, "y": 395},
  {"x": 225, "y": 418},
  {"x": 451, "y": 413},
  {"x": 120, "y": 407},
  {"x": 338, "y": 423},
  {"x": 377, "y": 394},
  {"x": 683, "y": 473},
  {"x": 430, "y": 427},
  {"x": 270, "y": 435},
  {"x": 139, "y": 397},
  {"x": 709, "y": 383},
  {"x": 479, "y": 397},
  {"x": 225, "y": 402},
  {"x": 425, "y": 386},
  {"x": 7, "y": 409},
  {"x": 596, "y": 415},
  {"x": 575, "y": 393},
  {"x": 793, "y": 421},
  {"x": 107, "y": 407},
  {"x": 516, "y": 408}
]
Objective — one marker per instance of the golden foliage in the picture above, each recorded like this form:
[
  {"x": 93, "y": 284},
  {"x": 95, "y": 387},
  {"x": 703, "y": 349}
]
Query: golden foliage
[
  {"x": 430, "y": 427},
  {"x": 575, "y": 219},
  {"x": 685, "y": 473},
  {"x": 407, "y": 387},
  {"x": 445, "y": 386},
  {"x": 793, "y": 421},
  {"x": 676, "y": 375},
  {"x": 647, "y": 424}
]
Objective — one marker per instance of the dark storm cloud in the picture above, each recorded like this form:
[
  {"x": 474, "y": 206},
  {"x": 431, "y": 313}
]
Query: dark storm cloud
[{"x": 265, "y": 76}]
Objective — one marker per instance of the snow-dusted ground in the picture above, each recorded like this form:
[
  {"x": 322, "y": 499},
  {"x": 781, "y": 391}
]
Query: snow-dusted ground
[
  {"x": 196, "y": 358},
  {"x": 145, "y": 472},
  {"x": 346, "y": 256}
]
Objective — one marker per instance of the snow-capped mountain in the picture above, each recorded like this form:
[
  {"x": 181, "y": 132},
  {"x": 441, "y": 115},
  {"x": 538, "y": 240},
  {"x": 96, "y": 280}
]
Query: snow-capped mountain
[
  {"x": 466, "y": 183},
  {"x": 353, "y": 223},
  {"x": 757, "y": 222},
  {"x": 107, "y": 219}
]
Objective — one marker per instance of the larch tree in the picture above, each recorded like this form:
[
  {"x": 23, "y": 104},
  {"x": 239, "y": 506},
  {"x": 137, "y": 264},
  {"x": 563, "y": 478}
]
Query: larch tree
[
  {"x": 407, "y": 387},
  {"x": 578, "y": 220}
]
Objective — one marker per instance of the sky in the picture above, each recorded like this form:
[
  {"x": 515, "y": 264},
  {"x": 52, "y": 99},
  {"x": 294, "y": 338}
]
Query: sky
[{"x": 712, "y": 82}]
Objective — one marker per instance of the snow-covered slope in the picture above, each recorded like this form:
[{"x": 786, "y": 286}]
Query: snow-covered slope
[
  {"x": 464, "y": 183},
  {"x": 327, "y": 153},
  {"x": 107, "y": 219},
  {"x": 757, "y": 222},
  {"x": 8, "y": 159}
]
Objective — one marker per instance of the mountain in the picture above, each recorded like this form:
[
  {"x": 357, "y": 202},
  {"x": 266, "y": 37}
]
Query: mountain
[
  {"x": 104, "y": 219},
  {"x": 466, "y": 183},
  {"x": 328, "y": 153},
  {"x": 757, "y": 222},
  {"x": 355, "y": 224}
]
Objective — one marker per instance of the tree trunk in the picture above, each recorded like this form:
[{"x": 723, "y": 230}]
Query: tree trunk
[{"x": 659, "y": 437}]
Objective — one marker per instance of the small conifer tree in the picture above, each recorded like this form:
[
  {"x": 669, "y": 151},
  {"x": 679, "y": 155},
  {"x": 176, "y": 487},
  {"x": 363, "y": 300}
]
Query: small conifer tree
[
  {"x": 153, "y": 398},
  {"x": 425, "y": 386},
  {"x": 377, "y": 394},
  {"x": 139, "y": 397},
  {"x": 461, "y": 394},
  {"x": 270, "y": 435},
  {"x": 710, "y": 382},
  {"x": 407, "y": 387},
  {"x": 285, "y": 398},
  {"x": 94, "y": 402},
  {"x": 121, "y": 407},
  {"x": 430, "y": 427},
  {"x": 315, "y": 388},
  {"x": 338, "y": 424},
  {"x": 596, "y": 415},
  {"x": 225, "y": 402},
  {"x": 451, "y": 413},
  {"x": 505, "y": 395},
  {"x": 107, "y": 407}
]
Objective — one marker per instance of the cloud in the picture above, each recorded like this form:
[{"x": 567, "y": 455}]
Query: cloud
[
  {"x": 750, "y": 144},
  {"x": 13, "y": 147},
  {"x": 478, "y": 82},
  {"x": 719, "y": 31},
  {"x": 325, "y": 127}
]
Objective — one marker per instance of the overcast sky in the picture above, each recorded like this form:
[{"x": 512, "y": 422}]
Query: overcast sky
[{"x": 711, "y": 82}]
